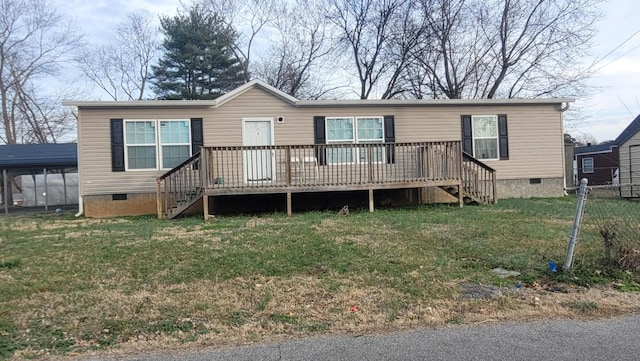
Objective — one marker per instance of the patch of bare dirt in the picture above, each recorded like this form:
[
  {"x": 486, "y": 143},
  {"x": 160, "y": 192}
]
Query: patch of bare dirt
[
  {"x": 429, "y": 230},
  {"x": 82, "y": 222},
  {"x": 255, "y": 222}
]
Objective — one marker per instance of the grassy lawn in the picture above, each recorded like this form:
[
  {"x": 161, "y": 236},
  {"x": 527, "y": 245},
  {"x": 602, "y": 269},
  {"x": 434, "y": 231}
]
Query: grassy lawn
[{"x": 71, "y": 286}]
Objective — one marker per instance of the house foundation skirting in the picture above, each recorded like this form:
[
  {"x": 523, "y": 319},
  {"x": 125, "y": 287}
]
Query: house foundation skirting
[
  {"x": 113, "y": 205},
  {"x": 530, "y": 187}
]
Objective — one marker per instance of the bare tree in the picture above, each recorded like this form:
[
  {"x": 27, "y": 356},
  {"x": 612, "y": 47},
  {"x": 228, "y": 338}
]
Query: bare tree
[
  {"x": 34, "y": 42},
  {"x": 503, "y": 48},
  {"x": 448, "y": 60},
  {"x": 122, "y": 69},
  {"x": 378, "y": 35},
  {"x": 41, "y": 118},
  {"x": 250, "y": 15},
  {"x": 294, "y": 62}
]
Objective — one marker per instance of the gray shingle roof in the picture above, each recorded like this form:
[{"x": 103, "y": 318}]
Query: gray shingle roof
[
  {"x": 626, "y": 134},
  {"x": 629, "y": 131},
  {"x": 21, "y": 156}
]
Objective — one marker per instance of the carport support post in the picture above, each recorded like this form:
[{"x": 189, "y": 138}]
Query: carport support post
[
  {"x": 5, "y": 190},
  {"x": 46, "y": 192},
  {"x": 64, "y": 185}
]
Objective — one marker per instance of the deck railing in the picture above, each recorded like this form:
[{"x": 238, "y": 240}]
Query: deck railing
[
  {"x": 317, "y": 167},
  {"x": 478, "y": 180}
]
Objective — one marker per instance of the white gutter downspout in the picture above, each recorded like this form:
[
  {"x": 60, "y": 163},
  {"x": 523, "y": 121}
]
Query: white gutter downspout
[{"x": 80, "y": 207}]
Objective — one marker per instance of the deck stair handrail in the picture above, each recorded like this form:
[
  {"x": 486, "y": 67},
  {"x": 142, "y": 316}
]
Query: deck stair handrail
[
  {"x": 478, "y": 180},
  {"x": 179, "y": 188}
]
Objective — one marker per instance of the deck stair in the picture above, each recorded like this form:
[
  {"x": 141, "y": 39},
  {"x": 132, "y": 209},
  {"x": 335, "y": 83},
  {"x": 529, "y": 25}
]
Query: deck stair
[{"x": 180, "y": 188}]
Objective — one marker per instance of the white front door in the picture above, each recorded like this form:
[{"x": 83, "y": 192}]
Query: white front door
[{"x": 258, "y": 163}]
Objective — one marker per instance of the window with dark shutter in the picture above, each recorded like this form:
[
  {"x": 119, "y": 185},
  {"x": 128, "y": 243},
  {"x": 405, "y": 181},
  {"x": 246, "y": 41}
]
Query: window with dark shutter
[
  {"x": 503, "y": 137},
  {"x": 319, "y": 138},
  {"x": 117, "y": 146},
  {"x": 485, "y": 136},
  {"x": 390, "y": 137},
  {"x": 197, "y": 139},
  {"x": 467, "y": 135}
]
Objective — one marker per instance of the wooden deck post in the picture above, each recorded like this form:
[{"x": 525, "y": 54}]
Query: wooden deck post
[
  {"x": 205, "y": 207},
  {"x": 494, "y": 185},
  {"x": 371, "y": 203},
  {"x": 460, "y": 177},
  {"x": 289, "y": 210},
  {"x": 159, "y": 202}
]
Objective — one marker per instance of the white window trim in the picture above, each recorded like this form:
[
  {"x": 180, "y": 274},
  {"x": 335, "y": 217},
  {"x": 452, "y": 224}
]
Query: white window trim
[
  {"x": 356, "y": 139},
  {"x": 592, "y": 165},
  {"x": 497, "y": 137},
  {"x": 158, "y": 145}
]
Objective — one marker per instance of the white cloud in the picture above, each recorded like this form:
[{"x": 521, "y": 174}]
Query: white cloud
[
  {"x": 615, "y": 100},
  {"x": 626, "y": 66}
]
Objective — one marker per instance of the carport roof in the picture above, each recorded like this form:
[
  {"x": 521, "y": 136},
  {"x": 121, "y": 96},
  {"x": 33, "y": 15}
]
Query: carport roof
[{"x": 29, "y": 156}]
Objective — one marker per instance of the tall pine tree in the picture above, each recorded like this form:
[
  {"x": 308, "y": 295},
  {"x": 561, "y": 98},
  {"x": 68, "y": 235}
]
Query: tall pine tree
[{"x": 198, "y": 62}]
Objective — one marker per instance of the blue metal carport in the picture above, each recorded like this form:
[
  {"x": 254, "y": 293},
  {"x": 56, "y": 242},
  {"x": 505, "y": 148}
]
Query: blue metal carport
[{"x": 20, "y": 159}]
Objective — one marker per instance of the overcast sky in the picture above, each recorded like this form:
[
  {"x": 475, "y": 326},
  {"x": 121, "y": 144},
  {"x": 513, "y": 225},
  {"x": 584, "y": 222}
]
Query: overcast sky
[{"x": 604, "y": 114}]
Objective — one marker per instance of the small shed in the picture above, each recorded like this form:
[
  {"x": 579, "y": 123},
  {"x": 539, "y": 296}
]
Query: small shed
[
  {"x": 45, "y": 165},
  {"x": 629, "y": 141}
]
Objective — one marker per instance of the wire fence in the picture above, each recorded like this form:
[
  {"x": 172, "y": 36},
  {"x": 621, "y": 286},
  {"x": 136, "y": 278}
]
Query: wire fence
[{"x": 612, "y": 215}]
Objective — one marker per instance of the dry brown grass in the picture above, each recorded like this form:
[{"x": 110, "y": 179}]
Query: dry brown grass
[{"x": 304, "y": 299}]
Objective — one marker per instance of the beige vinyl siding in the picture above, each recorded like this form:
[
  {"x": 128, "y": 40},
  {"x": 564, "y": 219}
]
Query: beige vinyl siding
[
  {"x": 226, "y": 128},
  {"x": 535, "y": 133},
  {"x": 94, "y": 136},
  {"x": 627, "y": 164}
]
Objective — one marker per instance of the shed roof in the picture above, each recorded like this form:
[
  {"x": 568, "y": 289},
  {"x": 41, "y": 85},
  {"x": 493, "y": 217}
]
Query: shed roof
[{"x": 25, "y": 156}]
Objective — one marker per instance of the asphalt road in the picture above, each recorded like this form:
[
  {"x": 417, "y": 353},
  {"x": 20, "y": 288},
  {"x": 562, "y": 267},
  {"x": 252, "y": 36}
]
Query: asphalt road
[{"x": 615, "y": 339}]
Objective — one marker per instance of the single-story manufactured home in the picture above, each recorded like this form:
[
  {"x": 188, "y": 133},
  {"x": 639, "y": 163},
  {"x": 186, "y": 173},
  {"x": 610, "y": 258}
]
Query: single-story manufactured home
[{"x": 166, "y": 156}]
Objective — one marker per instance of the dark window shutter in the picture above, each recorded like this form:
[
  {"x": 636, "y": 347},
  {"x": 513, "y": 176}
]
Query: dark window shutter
[
  {"x": 320, "y": 137},
  {"x": 197, "y": 140},
  {"x": 390, "y": 137},
  {"x": 503, "y": 137},
  {"x": 117, "y": 146},
  {"x": 467, "y": 135}
]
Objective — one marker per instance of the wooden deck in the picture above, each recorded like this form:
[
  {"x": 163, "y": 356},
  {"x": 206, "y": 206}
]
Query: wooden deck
[{"x": 291, "y": 169}]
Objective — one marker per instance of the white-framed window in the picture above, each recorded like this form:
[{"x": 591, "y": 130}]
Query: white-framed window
[
  {"x": 340, "y": 130},
  {"x": 485, "y": 136},
  {"x": 152, "y": 144},
  {"x": 587, "y": 165},
  {"x": 354, "y": 130}
]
